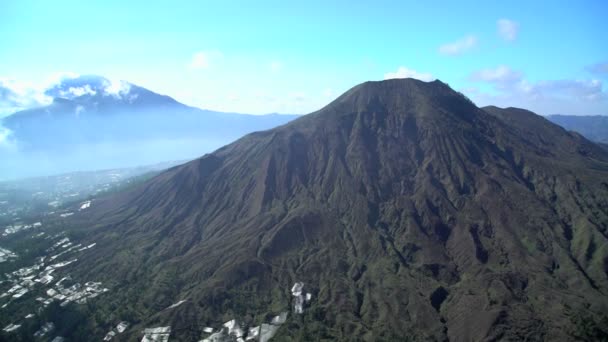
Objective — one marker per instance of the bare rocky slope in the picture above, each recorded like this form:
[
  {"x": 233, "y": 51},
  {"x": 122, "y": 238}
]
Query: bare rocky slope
[{"x": 407, "y": 211}]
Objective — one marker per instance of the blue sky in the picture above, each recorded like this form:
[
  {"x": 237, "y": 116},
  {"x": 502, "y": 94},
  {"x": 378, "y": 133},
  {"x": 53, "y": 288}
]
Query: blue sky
[{"x": 277, "y": 56}]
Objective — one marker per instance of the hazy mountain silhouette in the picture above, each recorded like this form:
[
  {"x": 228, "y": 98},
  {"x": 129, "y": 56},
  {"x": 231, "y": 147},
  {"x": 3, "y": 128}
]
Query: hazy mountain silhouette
[
  {"x": 95, "y": 123},
  {"x": 593, "y": 127}
]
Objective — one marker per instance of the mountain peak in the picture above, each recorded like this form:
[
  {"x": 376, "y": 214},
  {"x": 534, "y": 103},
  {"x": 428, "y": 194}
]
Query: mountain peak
[
  {"x": 87, "y": 86},
  {"x": 398, "y": 87},
  {"x": 94, "y": 90},
  {"x": 404, "y": 98},
  {"x": 395, "y": 86}
]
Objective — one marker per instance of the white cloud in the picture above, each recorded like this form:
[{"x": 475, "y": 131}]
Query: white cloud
[
  {"x": 132, "y": 97},
  {"x": 565, "y": 96},
  {"x": 403, "y": 72},
  {"x": 276, "y": 66},
  {"x": 264, "y": 96},
  {"x": 507, "y": 29},
  {"x": 79, "y": 91},
  {"x": 5, "y": 134},
  {"x": 19, "y": 95},
  {"x": 58, "y": 77},
  {"x": 204, "y": 59},
  {"x": 600, "y": 69},
  {"x": 297, "y": 96},
  {"x": 116, "y": 88},
  {"x": 469, "y": 90},
  {"x": 16, "y": 95},
  {"x": 586, "y": 90},
  {"x": 199, "y": 61},
  {"x": 328, "y": 92},
  {"x": 500, "y": 74},
  {"x": 8, "y": 144},
  {"x": 79, "y": 109},
  {"x": 458, "y": 47}
]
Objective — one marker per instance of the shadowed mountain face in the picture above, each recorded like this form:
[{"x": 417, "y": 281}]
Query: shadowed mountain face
[{"x": 407, "y": 211}]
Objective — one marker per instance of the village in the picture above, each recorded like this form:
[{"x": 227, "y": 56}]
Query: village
[
  {"x": 235, "y": 330},
  {"x": 44, "y": 282}
]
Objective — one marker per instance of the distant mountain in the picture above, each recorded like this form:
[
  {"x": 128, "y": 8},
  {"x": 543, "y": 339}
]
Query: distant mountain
[
  {"x": 407, "y": 212},
  {"x": 102, "y": 95},
  {"x": 94, "y": 123},
  {"x": 592, "y": 127},
  {"x": 92, "y": 108}
]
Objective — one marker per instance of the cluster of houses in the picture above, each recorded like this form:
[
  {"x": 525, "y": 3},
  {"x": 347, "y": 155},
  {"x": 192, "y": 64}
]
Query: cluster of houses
[
  {"x": 160, "y": 334},
  {"x": 300, "y": 297},
  {"x": 5, "y": 254},
  {"x": 119, "y": 329},
  {"x": 14, "y": 228},
  {"x": 45, "y": 330},
  {"x": 234, "y": 330},
  {"x": 41, "y": 279},
  {"x": 18, "y": 226}
]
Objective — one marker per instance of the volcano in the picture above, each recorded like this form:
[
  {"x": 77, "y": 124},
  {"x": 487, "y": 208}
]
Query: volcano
[{"x": 407, "y": 213}]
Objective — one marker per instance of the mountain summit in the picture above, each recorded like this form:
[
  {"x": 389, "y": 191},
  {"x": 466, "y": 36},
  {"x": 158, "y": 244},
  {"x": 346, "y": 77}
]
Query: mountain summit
[
  {"x": 405, "y": 210},
  {"x": 98, "y": 91}
]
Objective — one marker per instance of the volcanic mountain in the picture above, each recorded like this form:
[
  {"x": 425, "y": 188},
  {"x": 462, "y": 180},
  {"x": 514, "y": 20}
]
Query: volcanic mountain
[{"x": 407, "y": 212}]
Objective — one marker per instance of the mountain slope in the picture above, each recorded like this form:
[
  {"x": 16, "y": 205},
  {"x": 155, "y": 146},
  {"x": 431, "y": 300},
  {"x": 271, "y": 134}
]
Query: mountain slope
[
  {"x": 408, "y": 212},
  {"x": 593, "y": 127}
]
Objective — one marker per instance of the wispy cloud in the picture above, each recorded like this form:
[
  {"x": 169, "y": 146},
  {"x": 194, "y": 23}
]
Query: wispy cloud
[
  {"x": 297, "y": 96},
  {"x": 403, "y": 72},
  {"x": 585, "y": 90},
  {"x": 276, "y": 66},
  {"x": 79, "y": 91},
  {"x": 507, "y": 29},
  {"x": 328, "y": 92},
  {"x": 502, "y": 74},
  {"x": 599, "y": 69},
  {"x": 264, "y": 96},
  {"x": 116, "y": 88},
  {"x": 5, "y": 135},
  {"x": 16, "y": 95},
  {"x": 79, "y": 109},
  {"x": 204, "y": 59},
  {"x": 565, "y": 96},
  {"x": 458, "y": 47},
  {"x": 58, "y": 77}
]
